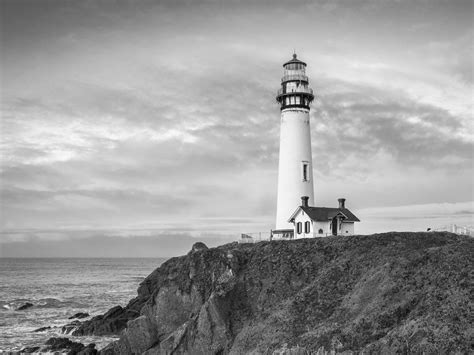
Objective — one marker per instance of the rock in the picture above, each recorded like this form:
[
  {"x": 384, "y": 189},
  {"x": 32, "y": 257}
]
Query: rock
[
  {"x": 70, "y": 327},
  {"x": 42, "y": 329},
  {"x": 62, "y": 344},
  {"x": 141, "y": 334},
  {"x": 25, "y": 306},
  {"x": 113, "y": 322},
  {"x": 384, "y": 293},
  {"x": 113, "y": 312},
  {"x": 198, "y": 247},
  {"x": 89, "y": 350},
  {"x": 79, "y": 315},
  {"x": 290, "y": 351},
  {"x": 30, "y": 349}
]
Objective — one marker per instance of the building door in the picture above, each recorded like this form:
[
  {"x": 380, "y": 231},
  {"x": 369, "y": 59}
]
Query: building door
[{"x": 334, "y": 226}]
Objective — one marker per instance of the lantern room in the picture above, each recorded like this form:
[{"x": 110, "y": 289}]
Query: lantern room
[{"x": 295, "y": 91}]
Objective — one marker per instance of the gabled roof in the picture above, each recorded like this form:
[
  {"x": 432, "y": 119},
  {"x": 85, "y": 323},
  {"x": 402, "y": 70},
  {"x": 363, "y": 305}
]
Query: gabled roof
[{"x": 325, "y": 213}]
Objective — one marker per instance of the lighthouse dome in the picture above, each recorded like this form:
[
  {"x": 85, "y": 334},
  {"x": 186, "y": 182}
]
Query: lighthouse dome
[{"x": 296, "y": 61}]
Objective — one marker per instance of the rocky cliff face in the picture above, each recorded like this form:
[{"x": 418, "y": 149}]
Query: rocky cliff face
[{"x": 393, "y": 292}]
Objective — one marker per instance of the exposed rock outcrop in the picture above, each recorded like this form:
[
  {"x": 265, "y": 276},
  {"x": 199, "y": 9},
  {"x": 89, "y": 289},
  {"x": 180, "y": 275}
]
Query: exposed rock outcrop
[
  {"x": 198, "y": 247},
  {"x": 111, "y": 322},
  {"x": 386, "y": 293}
]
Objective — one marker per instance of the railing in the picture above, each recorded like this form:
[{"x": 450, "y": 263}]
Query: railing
[
  {"x": 300, "y": 89},
  {"x": 254, "y": 237},
  {"x": 294, "y": 77},
  {"x": 454, "y": 228}
]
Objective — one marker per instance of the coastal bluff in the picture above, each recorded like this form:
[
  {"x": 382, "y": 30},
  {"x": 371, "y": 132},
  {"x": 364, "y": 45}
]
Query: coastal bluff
[{"x": 383, "y": 293}]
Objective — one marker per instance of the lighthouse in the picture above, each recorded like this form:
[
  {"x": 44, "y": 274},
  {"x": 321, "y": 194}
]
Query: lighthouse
[{"x": 295, "y": 167}]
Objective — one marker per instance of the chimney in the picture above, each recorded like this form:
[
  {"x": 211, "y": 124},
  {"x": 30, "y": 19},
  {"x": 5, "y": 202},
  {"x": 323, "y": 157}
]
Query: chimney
[
  {"x": 304, "y": 201},
  {"x": 342, "y": 202}
]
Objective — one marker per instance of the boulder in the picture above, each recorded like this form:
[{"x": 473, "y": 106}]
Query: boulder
[
  {"x": 25, "y": 306},
  {"x": 112, "y": 322},
  {"x": 30, "y": 349},
  {"x": 70, "y": 327},
  {"x": 88, "y": 350},
  {"x": 198, "y": 247},
  {"x": 42, "y": 329},
  {"x": 79, "y": 315},
  {"x": 62, "y": 344}
]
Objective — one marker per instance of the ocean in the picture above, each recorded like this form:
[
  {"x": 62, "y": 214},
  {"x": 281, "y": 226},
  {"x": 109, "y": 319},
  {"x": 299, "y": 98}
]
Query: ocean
[{"x": 60, "y": 287}]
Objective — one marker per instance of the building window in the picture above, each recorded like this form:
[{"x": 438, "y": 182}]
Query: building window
[
  {"x": 298, "y": 228},
  {"x": 320, "y": 231},
  {"x": 306, "y": 227},
  {"x": 305, "y": 171}
]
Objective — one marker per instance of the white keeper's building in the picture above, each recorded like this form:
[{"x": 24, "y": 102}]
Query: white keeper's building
[{"x": 312, "y": 222}]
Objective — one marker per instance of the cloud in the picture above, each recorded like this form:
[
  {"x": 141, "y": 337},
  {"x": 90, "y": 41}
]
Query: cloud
[
  {"x": 455, "y": 56},
  {"x": 357, "y": 122}
]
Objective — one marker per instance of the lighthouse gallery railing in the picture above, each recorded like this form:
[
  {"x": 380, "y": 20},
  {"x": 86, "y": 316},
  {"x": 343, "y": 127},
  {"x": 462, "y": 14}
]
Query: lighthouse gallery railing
[{"x": 300, "y": 89}]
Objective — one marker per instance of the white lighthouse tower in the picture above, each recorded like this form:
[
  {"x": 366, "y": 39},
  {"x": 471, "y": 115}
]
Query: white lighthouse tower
[{"x": 295, "y": 170}]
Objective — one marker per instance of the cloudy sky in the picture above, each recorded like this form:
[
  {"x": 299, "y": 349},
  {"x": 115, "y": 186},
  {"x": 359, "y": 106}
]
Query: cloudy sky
[{"x": 150, "y": 123}]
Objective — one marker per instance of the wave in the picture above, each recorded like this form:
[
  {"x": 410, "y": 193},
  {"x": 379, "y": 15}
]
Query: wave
[
  {"x": 5, "y": 305},
  {"x": 41, "y": 303},
  {"x": 13, "y": 304},
  {"x": 131, "y": 279},
  {"x": 56, "y": 303}
]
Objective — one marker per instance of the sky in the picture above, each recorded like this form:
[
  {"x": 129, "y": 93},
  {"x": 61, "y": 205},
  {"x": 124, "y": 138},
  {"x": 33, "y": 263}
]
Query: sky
[{"x": 154, "y": 124}]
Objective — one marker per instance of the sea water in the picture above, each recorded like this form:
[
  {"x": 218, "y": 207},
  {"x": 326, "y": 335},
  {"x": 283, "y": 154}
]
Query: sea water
[{"x": 60, "y": 287}]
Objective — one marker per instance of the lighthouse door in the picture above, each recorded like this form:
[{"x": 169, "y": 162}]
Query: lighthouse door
[{"x": 334, "y": 226}]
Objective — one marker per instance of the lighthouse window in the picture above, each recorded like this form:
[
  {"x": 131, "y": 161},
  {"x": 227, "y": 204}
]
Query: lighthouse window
[
  {"x": 320, "y": 231},
  {"x": 297, "y": 100},
  {"x": 287, "y": 100},
  {"x": 305, "y": 171},
  {"x": 306, "y": 227},
  {"x": 298, "y": 228}
]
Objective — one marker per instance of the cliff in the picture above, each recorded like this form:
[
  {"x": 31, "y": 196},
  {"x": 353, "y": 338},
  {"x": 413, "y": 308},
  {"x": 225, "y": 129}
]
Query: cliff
[{"x": 392, "y": 293}]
